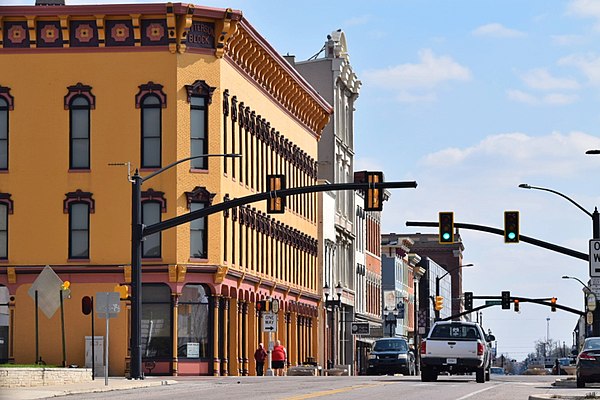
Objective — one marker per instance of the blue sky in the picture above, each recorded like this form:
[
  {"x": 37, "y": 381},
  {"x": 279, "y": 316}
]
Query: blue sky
[{"x": 470, "y": 99}]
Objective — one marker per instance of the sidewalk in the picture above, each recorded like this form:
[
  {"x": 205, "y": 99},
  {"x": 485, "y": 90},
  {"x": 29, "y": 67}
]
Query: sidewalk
[{"x": 98, "y": 385}]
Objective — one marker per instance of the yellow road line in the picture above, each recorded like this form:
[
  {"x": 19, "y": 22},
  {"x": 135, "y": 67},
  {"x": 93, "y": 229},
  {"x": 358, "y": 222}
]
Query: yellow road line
[{"x": 332, "y": 391}]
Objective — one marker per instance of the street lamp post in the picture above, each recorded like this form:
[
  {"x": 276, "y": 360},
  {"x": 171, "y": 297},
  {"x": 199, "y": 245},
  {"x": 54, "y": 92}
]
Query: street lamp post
[
  {"x": 437, "y": 284},
  {"x": 595, "y": 216},
  {"x": 586, "y": 292},
  {"x": 137, "y": 235},
  {"x": 334, "y": 304}
]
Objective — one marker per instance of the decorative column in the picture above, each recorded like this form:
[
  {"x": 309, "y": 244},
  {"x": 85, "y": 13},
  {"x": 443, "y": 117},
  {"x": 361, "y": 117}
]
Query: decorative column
[
  {"x": 175, "y": 333},
  {"x": 240, "y": 332},
  {"x": 245, "y": 338},
  {"x": 216, "y": 361},
  {"x": 289, "y": 317},
  {"x": 233, "y": 337},
  {"x": 253, "y": 339},
  {"x": 225, "y": 360}
]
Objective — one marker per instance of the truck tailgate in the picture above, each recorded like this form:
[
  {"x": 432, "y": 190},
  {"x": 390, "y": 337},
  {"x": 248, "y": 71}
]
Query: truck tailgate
[{"x": 450, "y": 348}]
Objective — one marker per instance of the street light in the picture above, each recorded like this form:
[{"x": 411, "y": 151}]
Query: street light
[
  {"x": 588, "y": 296},
  {"x": 595, "y": 216},
  {"x": 137, "y": 235},
  {"x": 437, "y": 284},
  {"x": 334, "y": 304}
]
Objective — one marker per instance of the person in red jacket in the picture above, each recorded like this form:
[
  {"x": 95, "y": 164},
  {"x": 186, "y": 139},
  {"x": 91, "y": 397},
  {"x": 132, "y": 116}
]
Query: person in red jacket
[
  {"x": 278, "y": 357},
  {"x": 259, "y": 356}
]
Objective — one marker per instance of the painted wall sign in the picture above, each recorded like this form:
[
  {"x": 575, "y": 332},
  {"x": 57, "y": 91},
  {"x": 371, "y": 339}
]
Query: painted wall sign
[{"x": 201, "y": 35}]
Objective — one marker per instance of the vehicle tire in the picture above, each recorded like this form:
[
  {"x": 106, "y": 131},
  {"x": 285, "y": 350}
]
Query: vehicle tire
[
  {"x": 580, "y": 383},
  {"x": 480, "y": 375},
  {"x": 425, "y": 375},
  {"x": 487, "y": 374}
]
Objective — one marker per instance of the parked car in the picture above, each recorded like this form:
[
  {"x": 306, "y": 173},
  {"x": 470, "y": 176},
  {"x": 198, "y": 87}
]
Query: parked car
[
  {"x": 457, "y": 348},
  {"x": 497, "y": 371},
  {"x": 588, "y": 362},
  {"x": 391, "y": 356}
]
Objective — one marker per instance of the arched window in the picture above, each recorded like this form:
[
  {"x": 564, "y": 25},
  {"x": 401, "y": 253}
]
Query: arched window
[
  {"x": 79, "y": 133},
  {"x": 198, "y": 239},
  {"x": 156, "y": 338},
  {"x": 3, "y": 134},
  {"x": 151, "y": 131},
  {"x": 3, "y": 231},
  {"x": 79, "y": 230},
  {"x": 198, "y": 131},
  {"x": 193, "y": 337}
]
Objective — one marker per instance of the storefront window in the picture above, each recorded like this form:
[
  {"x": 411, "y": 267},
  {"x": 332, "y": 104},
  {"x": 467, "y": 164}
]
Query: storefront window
[
  {"x": 193, "y": 322},
  {"x": 156, "y": 321}
]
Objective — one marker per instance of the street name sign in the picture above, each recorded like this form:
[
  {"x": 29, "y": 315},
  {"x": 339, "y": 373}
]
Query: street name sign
[
  {"x": 595, "y": 257},
  {"x": 269, "y": 322},
  {"x": 493, "y": 302}
]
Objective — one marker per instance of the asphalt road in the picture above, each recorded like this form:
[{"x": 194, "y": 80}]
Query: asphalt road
[{"x": 345, "y": 388}]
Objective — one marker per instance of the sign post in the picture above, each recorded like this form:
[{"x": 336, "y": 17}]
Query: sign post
[
  {"x": 269, "y": 324},
  {"x": 107, "y": 306}
]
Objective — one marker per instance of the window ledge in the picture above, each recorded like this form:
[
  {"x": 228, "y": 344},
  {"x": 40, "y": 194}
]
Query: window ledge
[
  {"x": 3, "y": 260},
  {"x": 198, "y": 259},
  {"x": 78, "y": 260},
  {"x": 82, "y": 170},
  {"x": 152, "y": 259},
  {"x": 198, "y": 171}
]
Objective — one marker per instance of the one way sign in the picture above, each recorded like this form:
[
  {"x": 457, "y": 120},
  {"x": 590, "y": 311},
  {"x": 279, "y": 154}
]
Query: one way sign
[
  {"x": 595, "y": 258},
  {"x": 269, "y": 320}
]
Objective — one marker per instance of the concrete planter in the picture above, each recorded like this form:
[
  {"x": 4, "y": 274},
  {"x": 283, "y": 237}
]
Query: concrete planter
[{"x": 29, "y": 377}]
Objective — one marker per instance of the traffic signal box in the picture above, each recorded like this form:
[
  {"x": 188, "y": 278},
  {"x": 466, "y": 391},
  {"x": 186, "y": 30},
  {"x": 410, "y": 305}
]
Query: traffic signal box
[
  {"x": 439, "y": 303},
  {"x": 374, "y": 197},
  {"x": 516, "y": 305},
  {"x": 446, "y": 234},
  {"x": 275, "y": 204},
  {"x": 468, "y": 301},
  {"x": 506, "y": 300},
  {"x": 123, "y": 291},
  {"x": 511, "y": 227},
  {"x": 553, "y": 304},
  {"x": 263, "y": 305}
]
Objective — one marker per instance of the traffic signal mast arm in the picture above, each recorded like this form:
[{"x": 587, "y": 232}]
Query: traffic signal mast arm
[
  {"x": 522, "y": 238},
  {"x": 226, "y": 205}
]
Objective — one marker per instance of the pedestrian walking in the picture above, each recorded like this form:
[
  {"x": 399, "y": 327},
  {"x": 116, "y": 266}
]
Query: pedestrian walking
[
  {"x": 279, "y": 358},
  {"x": 260, "y": 355}
]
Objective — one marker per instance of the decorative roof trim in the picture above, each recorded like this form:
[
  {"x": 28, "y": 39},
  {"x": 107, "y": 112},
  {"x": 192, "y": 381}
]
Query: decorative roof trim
[
  {"x": 80, "y": 90},
  {"x": 5, "y": 199},
  {"x": 199, "y": 194},
  {"x": 156, "y": 196},
  {"x": 5, "y": 94},
  {"x": 78, "y": 196},
  {"x": 200, "y": 88},
  {"x": 151, "y": 88}
]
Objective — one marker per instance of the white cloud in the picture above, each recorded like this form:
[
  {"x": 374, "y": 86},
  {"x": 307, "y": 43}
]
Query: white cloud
[
  {"x": 497, "y": 30},
  {"x": 541, "y": 79},
  {"x": 416, "y": 82},
  {"x": 358, "y": 20},
  {"x": 552, "y": 99},
  {"x": 588, "y": 64},
  {"x": 585, "y": 9},
  {"x": 567, "y": 40}
]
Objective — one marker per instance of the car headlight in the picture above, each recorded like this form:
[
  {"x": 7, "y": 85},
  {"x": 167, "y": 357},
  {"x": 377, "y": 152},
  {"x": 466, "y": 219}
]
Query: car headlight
[
  {"x": 401, "y": 356},
  {"x": 372, "y": 357}
]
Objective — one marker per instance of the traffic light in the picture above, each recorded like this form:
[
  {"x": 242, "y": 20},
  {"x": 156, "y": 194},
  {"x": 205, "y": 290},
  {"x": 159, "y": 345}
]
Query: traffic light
[
  {"x": 262, "y": 305},
  {"x": 516, "y": 305},
  {"x": 553, "y": 304},
  {"x": 506, "y": 300},
  {"x": 468, "y": 301},
  {"x": 275, "y": 204},
  {"x": 439, "y": 303},
  {"x": 511, "y": 227},
  {"x": 374, "y": 196},
  {"x": 123, "y": 291},
  {"x": 446, "y": 227}
]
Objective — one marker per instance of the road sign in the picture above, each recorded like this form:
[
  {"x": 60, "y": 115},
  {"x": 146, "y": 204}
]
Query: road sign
[
  {"x": 50, "y": 288},
  {"x": 589, "y": 318},
  {"x": 591, "y": 302},
  {"x": 360, "y": 328},
  {"x": 493, "y": 302},
  {"x": 269, "y": 322},
  {"x": 108, "y": 304},
  {"x": 595, "y": 257}
]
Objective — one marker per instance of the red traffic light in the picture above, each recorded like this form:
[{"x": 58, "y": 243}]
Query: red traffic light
[{"x": 87, "y": 303}]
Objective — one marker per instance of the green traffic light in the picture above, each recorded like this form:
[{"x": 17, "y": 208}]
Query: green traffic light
[
  {"x": 512, "y": 235},
  {"x": 446, "y": 236}
]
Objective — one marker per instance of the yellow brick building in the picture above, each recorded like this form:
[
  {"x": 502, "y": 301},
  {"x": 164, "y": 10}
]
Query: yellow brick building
[{"x": 85, "y": 87}]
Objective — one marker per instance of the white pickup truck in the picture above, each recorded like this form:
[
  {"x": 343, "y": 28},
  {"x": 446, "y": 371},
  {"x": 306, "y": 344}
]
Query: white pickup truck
[{"x": 456, "y": 347}]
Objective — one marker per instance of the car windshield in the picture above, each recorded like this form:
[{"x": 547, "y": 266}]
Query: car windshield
[
  {"x": 450, "y": 331},
  {"x": 591, "y": 344},
  {"x": 390, "y": 345}
]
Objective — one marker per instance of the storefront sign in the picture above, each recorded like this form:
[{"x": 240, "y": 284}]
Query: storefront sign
[{"x": 193, "y": 350}]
